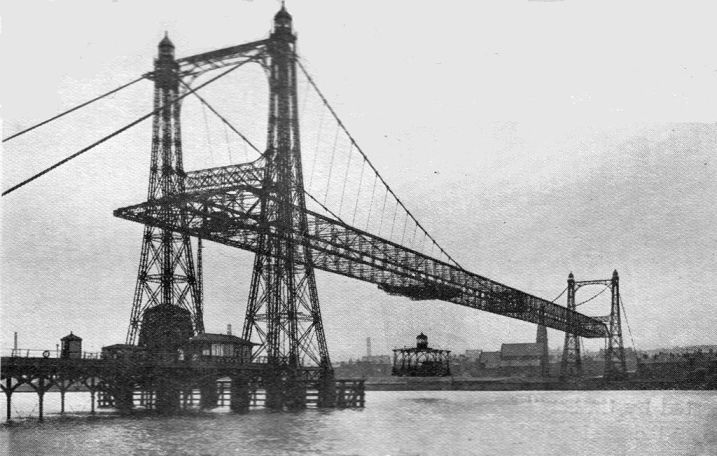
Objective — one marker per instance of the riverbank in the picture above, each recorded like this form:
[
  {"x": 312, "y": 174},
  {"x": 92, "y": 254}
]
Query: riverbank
[{"x": 526, "y": 384}]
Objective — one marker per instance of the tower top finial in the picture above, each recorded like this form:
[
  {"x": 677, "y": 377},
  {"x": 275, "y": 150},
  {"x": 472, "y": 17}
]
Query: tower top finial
[
  {"x": 166, "y": 47},
  {"x": 282, "y": 14},
  {"x": 282, "y": 25},
  {"x": 166, "y": 42}
]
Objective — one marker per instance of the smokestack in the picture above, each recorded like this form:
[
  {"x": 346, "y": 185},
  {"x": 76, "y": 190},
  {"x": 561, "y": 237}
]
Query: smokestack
[
  {"x": 229, "y": 329},
  {"x": 368, "y": 347},
  {"x": 15, "y": 341}
]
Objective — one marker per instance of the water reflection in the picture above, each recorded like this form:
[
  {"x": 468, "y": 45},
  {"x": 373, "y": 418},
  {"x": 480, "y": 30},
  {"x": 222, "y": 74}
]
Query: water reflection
[{"x": 401, "y": 423}]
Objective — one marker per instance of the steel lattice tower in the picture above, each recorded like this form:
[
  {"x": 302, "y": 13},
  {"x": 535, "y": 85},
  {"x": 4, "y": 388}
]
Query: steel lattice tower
[
  {"x": 283, "y": 305},
  {"x": 166, "y": 275},
  {"x": 571, "y": 365},
  {"x": 615, "y": 366}
]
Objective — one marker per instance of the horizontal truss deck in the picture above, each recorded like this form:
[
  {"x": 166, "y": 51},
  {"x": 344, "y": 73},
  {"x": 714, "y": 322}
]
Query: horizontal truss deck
[{"x": 223, "y": 205}]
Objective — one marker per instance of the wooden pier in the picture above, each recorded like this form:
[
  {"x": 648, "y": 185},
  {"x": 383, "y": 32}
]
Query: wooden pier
[{"x": 169, "y": 384}]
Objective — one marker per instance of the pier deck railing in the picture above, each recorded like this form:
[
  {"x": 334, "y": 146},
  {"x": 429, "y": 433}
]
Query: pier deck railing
[{"x": 43, "y": 353}]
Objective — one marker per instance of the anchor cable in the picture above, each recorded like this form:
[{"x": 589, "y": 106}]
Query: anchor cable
[
  {"x": 117, "y": 132},
  {"x": 73, "y": 109}
]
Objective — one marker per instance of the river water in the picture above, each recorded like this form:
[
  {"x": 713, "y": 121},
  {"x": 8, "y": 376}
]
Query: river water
[{"x": 393, "y": 423}]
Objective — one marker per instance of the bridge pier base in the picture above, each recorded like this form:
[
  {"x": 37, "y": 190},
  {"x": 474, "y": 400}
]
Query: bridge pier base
[
  {"x": 341, "y": 394},
  {"x": 294, "y": 391},
  {"x": 41, "y": 388},
  {"x": 208, "y": 396},
  {"x": 123, "y": 398},
  {"x": 91, "y": 384},
  {"x": 285, "y": 390},
  {"x": 327, "y": 390},
  {"x": 63, "y": 386},
  {"x": 239, "y": 394},
  {"x": 40, "y": 404},
  {"x": 8, "y": 390},
  {"x": 8, "y": 405},
  {"x": 167, "y": 396}
]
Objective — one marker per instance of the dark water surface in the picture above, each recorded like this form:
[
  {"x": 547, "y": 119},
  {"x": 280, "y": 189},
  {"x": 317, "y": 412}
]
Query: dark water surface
[{"x": 396, "y": 423}]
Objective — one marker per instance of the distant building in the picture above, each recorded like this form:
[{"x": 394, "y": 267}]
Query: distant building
[
  {"x": 683, "y": 365},
  {"x": 473, "y": 355},
  {"x": 375, "y": 366},
  {"x": 520, "y": 355},
  {"x": 489, "y": 360},
  {"x": 421, "y": 361},
  {"x": 521, "y": 359},
  {"x": 377, "y": 359}
]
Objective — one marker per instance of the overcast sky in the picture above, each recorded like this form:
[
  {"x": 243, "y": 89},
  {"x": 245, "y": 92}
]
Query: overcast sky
[{"x": 530, "y": 138}]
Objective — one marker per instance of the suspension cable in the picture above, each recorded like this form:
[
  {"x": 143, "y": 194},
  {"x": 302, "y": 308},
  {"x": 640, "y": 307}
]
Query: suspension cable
[
  {"x": 634, "y": 348},
  {"x": 393, "y": 222},
  {"x": 324, "y": 207},
  {"x": 593, "y": 297},
  {"x": 383, "y": 209},
  {"x": 346, "y": 178},
  {"x": 115, "y": 133},
  {"x": 561, "y": 293},
  {"x": 351, "y": 138},
  {"x": 73, "y": 109},
  {"x": 403, "y": 232},
  {"x": 229, "y": 147},
  {"x": 223, "y": 119},
  {"x": 248, "y": 141},
  {"x": 331, "y": 165},
  {"x": 209, "y": 136},
  {"x": 316, "y": 149},
  {"x": 370, "y": 206},
  {"x": 358, "y": 196}
]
